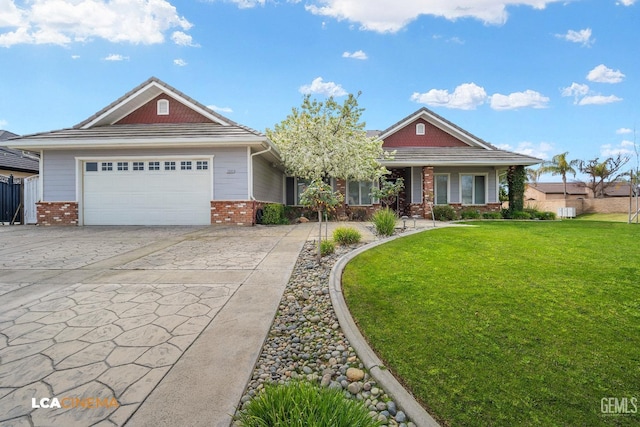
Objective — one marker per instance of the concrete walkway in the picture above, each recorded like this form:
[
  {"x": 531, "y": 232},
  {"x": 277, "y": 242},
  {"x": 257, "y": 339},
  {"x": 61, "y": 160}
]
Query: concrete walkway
[{"x": 162, "y": 325}]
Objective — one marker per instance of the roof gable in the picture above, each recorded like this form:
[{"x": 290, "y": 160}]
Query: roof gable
[
  {"x": 142, "y": 97},
  {"x": 439, "y": 133},
  {"x": 177, "y": 113}
]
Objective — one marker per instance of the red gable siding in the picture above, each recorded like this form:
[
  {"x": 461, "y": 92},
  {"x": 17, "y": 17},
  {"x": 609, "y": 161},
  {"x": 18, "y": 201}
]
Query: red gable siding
[
  {"x": 433, "y": 137},
  {"x": 148, "y": 114}
]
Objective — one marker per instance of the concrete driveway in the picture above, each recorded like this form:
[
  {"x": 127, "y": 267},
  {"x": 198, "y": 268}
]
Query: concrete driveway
[{"x": 135, "y": 325}]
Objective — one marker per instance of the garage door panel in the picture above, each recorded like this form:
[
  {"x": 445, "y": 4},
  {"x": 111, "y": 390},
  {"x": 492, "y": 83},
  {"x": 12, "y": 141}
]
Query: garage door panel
[{"x": 147, "y": 197}]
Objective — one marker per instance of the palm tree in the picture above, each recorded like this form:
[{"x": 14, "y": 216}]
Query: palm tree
[
  {"x": 532, "y": 175},
  {"x": 559, "y": 165}
]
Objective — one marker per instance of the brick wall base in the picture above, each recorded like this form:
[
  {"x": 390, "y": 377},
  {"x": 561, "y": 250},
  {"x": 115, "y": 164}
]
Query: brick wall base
[
  {"x": 234, "y": 212},
  {"x": 57, "y": 213}
]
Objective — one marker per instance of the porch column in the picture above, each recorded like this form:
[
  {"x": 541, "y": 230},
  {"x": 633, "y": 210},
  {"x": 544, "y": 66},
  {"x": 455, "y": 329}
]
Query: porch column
[{"x": 428, "y": 190}]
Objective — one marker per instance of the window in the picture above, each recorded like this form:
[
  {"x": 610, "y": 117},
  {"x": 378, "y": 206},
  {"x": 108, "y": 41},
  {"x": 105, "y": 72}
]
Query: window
[
  {"x": 420, "y": 129},
  {"x": 138, "y": 166},
  {"x": 107, "y": 166},
  {"x": 185, "y": 166},
  {"x": 123, "y": 166},
  {"x": 202, "y": 165},
  {"x": 442, "y": 189},
  {"x": 473, "y": 189},
  {"x": 359, "y": 193},
  {"x": 154, "y": 166},
  {"x": 301, "y": 186},
  {"x": 91, "y": 166},
  {"x": 163, "y": 107},
  {"x": 169, "y": 166}
]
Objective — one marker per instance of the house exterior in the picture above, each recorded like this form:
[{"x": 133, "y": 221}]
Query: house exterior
[
  {"x": 440, "y": 163},
  {"x": 154, "y": 157},
  {"x": 16, "y": 162}
]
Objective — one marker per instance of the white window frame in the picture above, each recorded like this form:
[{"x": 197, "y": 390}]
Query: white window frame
[
  {"x": 421, "y": 129},
  {"x": 186, "y": 165},
  {"x": 435, "y": 188},
  {"x": 163, "y": 107},
  {"x": 122, "y": 166},
  {"x": 137, "y": 166},
  {"x": 169, "y": 165},
  {"x": 473, "y": 193}
]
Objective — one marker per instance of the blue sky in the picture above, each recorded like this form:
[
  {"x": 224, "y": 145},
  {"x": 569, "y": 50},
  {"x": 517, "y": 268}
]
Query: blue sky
[{"x": 535, "y": 76}]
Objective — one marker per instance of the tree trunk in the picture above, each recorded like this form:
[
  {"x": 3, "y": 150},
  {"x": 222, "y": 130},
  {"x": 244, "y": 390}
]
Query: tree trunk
[{"x": 319, "y": 235}]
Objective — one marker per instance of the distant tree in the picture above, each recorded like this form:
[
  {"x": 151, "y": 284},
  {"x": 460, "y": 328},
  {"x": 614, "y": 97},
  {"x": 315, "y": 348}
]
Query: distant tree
[
  {"x": 603, "y": 174},
  {"x": 559, "y": 165},
  {"x": 532, "y": 175},
  {"x": 323, "y": 140},
  {"x": 320, "y": 197}
]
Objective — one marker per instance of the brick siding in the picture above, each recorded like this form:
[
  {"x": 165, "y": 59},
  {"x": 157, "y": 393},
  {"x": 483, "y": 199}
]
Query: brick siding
[
  {"x": 234, "y": 212},
  {"x": 57, "y": 213}
]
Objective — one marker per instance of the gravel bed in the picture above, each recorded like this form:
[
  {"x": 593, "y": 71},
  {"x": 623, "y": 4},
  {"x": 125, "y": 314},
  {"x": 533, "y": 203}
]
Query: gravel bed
[{"x": 306, "y": 342}]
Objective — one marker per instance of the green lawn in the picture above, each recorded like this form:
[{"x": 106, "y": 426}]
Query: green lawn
[
  {"x": 612, "y": 217},
  {"x": 507, "y": 323}
]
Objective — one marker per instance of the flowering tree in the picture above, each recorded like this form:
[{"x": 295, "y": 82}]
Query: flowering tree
[{"x": 327, "y": 140}]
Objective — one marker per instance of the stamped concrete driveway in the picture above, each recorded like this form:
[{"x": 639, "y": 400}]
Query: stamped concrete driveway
[{"x": 160, "y": 325}]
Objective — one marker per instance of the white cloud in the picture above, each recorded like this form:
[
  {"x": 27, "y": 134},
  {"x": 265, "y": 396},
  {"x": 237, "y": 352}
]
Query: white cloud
[
  {"x": 390, "y": 16},
  {"x": 358, "y": 54},
  {"x": 75, "y": 56},
  {"x": 626, "y": 2},
  {"x": 116, "y": 57},
  {"x": 247, "y": 4},
  {"x": 467, "y": 96},
  {"x": 528, "y": 98},
  {"x": 318, "y": 86},
  {"x": 625, "y": 148},
  {"x": 603, "y": 74},
  {"x": 180, "y": 62},
  {"x": 599, "y": 100},
  {"x": 3, "y": 123},
  {"x": 542, "y": 150},
  {"x": 582, "y": 95},
  {"x": 183, "y": 39},
  {"x": 624, "y": 131},
  {"x": 575, "y": 90},
  {"x": 65, "y": 21},
  {"x": 583, "y": 37},
  {"x": 220, "y": 109}
]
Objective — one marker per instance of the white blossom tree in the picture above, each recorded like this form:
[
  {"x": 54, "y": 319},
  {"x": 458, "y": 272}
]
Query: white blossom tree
[{"x": 323, "y": 140}]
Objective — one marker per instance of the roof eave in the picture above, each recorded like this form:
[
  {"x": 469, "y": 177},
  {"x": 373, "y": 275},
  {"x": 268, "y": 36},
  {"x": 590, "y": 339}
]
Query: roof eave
[
  {"x": 43, "y": 144},
  {"x": 502, "y": 163}
]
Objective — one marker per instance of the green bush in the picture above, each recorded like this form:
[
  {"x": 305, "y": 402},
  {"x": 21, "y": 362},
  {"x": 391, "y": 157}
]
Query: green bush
[
  {"x": 547, "y": 216},
  {"x": 492, "y": 215},
  {"x": 346, "y": 235},
  {"x": 273, "y": 213},
  {"x": 327, "y": 247},
  {"x": 520, "y": 215},
  {"x": 470, "y": 214},
  {"x": 302, "y": 404},
  {"x": 444, "y": 213},
  {"x": 384, "y": 221}
]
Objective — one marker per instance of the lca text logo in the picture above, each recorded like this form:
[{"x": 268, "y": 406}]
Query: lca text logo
[
  {"x": 619, "y": 406},
  {"x": 74, "y": 402}
]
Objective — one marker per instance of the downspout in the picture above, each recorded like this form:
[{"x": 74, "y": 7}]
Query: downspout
[{"x": 251, "y": 197}]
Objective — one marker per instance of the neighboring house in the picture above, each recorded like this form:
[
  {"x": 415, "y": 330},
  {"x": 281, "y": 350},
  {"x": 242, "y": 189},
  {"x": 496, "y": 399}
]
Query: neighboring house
[
  {"x": 440, "y": 163},
  {"x": 549, "y": 196},
  {"x": 16, "y": 162},
  {"x": 154, "y": 157}
]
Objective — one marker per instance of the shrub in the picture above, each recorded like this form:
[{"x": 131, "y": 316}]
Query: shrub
[
  {"x": 520, "y": 215},
  {"x": 470, "y": 214},
  {"x": 346, "y": 235},
  {"x": 384, "y": 221},
  {"x": 274, "y": 214},
  {"x": 548, "y": 216},
  {"x": 492, "y": 215},
  {"x": 327, "y": 247},
  {"x": 299, "y": 404},
  {"x": 444, "y": 213}
]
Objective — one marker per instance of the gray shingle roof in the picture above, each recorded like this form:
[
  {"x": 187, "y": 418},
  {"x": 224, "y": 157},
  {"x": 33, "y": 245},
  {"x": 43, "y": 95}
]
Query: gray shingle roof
[
  {"x": 16, "y": 160},
  {"x": 457, "y": 156}
]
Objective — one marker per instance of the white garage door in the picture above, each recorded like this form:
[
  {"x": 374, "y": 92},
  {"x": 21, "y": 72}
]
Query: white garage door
[{"x": 147, "y": 192}]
